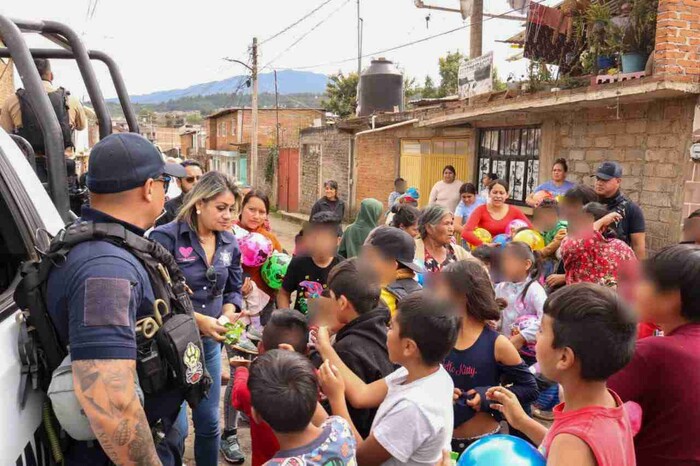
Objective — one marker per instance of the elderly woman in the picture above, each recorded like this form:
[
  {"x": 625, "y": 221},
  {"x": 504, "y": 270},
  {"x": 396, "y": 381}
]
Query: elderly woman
[
  {"x": 436, "y": 228},
  {"x": 207, "y": 252},
  {"x": 446, "y": 191}
]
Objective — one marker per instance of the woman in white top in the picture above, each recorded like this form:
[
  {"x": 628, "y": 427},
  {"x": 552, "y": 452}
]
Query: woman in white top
[{"x": 446, "y": 191}]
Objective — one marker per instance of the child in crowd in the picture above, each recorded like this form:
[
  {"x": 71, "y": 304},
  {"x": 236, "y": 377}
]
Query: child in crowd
[
  {"x": 588, "y": 256},
  {"x": 389, "y": 252},
  {"x": 283, "y": 393},
  {"x": 546, "y": 221},
  {"x": 300, "y": 246},
  {"x": 523, "y": 297},
  {"x": 405, "y": 217},
  {"x": 469, "y": 200},
  {"x": 360, "y": 341},
  {"x": 414, "y": 421},
  {"x": 356, "y": 233},
  {"x": 307, "y": 274},
  {"x": 490, "y": 258},
  {"x": 587, "y": 335},
  {"x": 481, "y": 358},
  {"x": 287, "y": 329},
  {"x": 663, "y": 376},
  {"x": 399, "y": 190},
  {"x": 486, "y": 180}
]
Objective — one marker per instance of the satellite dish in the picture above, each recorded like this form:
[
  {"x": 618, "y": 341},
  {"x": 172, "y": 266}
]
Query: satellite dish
[{"x": 465, "y": 7}]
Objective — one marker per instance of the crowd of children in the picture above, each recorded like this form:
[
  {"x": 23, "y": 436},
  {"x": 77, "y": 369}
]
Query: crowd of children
[{"x": 373, "y": 368}]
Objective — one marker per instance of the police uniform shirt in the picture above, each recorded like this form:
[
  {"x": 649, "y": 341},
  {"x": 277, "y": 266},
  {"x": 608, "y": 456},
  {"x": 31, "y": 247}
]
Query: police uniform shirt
[
  {"x": 212, "y": 286},
  {"x": 11, "y": 113}
]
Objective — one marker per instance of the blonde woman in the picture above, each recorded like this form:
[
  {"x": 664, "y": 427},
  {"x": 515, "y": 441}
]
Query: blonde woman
[{"x": 207, "y": 252}]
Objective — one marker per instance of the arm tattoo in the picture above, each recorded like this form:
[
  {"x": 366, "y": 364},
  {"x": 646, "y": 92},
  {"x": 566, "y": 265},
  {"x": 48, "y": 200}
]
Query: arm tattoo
[{"x": 106, "y": 391}]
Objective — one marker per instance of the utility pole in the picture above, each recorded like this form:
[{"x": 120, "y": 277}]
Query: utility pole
[
  {"x": 254, "y": 135},
  {"x": 476, "y": 29},
  {"x": 359, "y": 41}
]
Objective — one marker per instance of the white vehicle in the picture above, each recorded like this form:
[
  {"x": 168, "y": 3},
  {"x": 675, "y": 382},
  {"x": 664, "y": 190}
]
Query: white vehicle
[{"x": 28, "y": 215}]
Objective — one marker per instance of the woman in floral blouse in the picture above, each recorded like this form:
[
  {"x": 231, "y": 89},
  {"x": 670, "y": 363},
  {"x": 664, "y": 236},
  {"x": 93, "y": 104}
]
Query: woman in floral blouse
[{"x": 436, "y": 227}]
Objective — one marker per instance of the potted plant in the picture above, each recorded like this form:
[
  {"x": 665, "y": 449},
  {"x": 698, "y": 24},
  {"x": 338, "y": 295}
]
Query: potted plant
[
  {"x": 636, "y": 35},
  {"x": 598, "y": 21}
]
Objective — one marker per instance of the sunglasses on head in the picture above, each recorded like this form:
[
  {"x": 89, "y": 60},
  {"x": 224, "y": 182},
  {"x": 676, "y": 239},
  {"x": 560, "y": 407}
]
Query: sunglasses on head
[{"x": 213, "y": 278}]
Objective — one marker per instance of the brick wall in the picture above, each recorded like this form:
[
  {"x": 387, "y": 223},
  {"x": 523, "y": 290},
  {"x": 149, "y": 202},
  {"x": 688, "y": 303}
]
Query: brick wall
[
  {"x": 377, "y": 165},
  {"x": 325, "y": 155},
  {"x": 651, "y": 142},
  {"x": 186, "y": 144},
  {"x": 677, "y": 52},
  {"x": 260, "y": 182},
  {"x": 7, "y": 85}
]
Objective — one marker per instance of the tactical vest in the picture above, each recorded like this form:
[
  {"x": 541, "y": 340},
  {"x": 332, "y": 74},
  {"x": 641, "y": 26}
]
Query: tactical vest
[
  {"x": 31, "y": 131},
  {"x": 169, "y": 348}
]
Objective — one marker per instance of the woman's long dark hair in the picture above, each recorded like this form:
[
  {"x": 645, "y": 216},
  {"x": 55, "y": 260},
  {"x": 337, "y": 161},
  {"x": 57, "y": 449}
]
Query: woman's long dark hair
[
  {"x": 256, "y": 193},
  {"x": 469, "y": 278},
  {"x": 524, "y": 252},
  {"x": 404, "y": 215}
]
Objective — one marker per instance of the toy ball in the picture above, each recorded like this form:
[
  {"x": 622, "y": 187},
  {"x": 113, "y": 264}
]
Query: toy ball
[
  {"x": 516, "y": 225},
  {"x": 255, "y": 249},
  {"x": 239, "y": 232},
  {"x": 483, "y": 235},
  {"x": 501, "y": 239},
  {"x": 497, "y": 450},
  {"x": 274, "y": 269},
  {"x": 419, "y": 277},
  {"x": 540, "y": 196},
  {"x": 413, "y": 192},
  {"x": 530, "y": 237}
]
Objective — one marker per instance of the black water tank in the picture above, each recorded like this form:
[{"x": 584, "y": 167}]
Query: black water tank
[{"x": 380, "y": 89}]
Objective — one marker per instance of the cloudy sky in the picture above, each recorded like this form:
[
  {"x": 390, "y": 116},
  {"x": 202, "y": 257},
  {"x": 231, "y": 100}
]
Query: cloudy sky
[{"x": 163, "y": 44}]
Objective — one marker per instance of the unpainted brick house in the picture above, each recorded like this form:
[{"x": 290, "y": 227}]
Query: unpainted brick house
[{"x": 647, "y": 125}]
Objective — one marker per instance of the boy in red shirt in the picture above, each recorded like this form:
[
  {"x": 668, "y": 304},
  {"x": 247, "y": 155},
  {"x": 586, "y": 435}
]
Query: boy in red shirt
[
  {"x": 587, "y": 335},
  {"x": 287, "y": 329}
]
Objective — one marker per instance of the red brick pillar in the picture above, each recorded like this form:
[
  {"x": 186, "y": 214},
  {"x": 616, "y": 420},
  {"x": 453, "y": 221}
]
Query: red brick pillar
[{"x": 677, "y": 52}]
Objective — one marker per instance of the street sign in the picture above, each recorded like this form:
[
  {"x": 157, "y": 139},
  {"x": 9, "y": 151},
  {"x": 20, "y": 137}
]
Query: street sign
[{"x": 475, "y": 76}]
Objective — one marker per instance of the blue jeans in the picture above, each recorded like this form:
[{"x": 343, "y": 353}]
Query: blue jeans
[{"x": 206, "y": 416}]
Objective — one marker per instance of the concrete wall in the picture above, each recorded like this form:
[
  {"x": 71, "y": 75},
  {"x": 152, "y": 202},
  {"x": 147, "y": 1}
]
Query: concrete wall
[{"x": 325, "y": 155}]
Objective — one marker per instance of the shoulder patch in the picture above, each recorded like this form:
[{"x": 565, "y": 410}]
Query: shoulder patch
[{"x": 107, "y": 302}]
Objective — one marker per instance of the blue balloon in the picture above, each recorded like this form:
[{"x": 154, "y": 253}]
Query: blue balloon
[
  {"x": 501, "y": 450},
  {"x": 501, "y": 239}
]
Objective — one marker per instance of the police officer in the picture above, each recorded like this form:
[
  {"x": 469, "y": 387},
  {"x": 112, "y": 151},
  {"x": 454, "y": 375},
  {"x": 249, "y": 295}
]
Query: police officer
[{"x": 95, "y": 299}]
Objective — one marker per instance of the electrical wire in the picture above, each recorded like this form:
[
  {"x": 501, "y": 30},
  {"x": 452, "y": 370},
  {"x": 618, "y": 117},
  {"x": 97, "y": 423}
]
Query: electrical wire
[
  {"x": 296, "y": 22},
  {"x": 391, "y": 49},
  {"x": 303, "y": 36}
]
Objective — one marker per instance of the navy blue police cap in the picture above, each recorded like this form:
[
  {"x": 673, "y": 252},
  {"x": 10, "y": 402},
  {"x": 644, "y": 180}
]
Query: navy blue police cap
[{"x": 125, "y": 161}]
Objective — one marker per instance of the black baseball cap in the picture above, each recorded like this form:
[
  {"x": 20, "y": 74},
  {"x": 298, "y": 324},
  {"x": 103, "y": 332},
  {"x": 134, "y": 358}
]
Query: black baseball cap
[
  {"x": 608, "y": 170},
  {"x": 394, "y": 243},
  {"x": 125, "y": 161}
]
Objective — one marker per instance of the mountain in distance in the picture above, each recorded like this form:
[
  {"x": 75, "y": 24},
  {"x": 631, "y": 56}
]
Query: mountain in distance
[{"x": 288, "y": 82}]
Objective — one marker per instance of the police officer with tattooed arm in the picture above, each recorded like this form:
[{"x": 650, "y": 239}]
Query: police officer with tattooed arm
[{"x": 120, "y": 305}]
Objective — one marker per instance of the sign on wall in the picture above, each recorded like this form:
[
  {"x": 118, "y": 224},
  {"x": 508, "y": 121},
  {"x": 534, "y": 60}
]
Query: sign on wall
[{"x": 475, "y": 76}]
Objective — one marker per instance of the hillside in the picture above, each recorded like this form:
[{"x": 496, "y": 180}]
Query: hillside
[{"x": 289, "y": 82}]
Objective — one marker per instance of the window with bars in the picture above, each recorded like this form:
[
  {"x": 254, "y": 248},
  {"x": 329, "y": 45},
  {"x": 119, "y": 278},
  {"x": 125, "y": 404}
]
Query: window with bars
[{"x": 513, "y": 154}]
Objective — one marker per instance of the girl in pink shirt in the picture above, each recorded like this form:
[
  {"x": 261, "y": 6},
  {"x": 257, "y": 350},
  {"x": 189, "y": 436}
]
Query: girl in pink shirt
[{"x": 586, "y": 335}]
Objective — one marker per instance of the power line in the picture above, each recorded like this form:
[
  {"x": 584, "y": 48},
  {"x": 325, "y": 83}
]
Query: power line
[
  {"x": 296, "y": 22},
  {"x": 391, "y": 49},
  {"x": 303, "y": 36}
]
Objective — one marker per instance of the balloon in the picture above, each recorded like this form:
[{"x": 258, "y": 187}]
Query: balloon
[
  {"x": 255, "y": 249},
  {"x": 413, "y": 192},
  {"x": 501, "y": 239},
  {"x": 419, "y": 277},
  {"x": 274, "y": 269},
  {"x": 483, "y": 235},
  {"x": 501, "y": 450},
  {"x": 540, "y": 196},
  {"x": 516, "y": 225},
  {"x": 239, "y": 232},
  {"x": 530, "y": 237}
]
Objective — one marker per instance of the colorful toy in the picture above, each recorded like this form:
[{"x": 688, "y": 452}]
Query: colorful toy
[
  {"x": 516, "y": 225},
  {"x": 255, "y": 249},
  {"x": 233, "y": 332},
  {"x": 413, "y": 192},
  {"x": 483, "y": 235},
  {"x": 501, "y": 450},
  {"x": 530, "y": 237},
  {"x": 239, "y": 232},
  {"x": 520, "y": 324},
  {"x": 274, "y": 269},
  {"x": 501, "y": 239},
  {"x": 540, "y": 196}
]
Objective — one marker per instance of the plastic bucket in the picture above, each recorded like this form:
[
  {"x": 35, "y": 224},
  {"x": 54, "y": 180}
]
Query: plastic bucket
[
  {"x": 633, "y": 62},
  {"x": 605, "y": 62}
]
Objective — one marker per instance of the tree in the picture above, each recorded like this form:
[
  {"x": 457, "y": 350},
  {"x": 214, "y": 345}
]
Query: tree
[
  {"x": 429, "y": 90},
  {"x": 411, "y": 89},
  {"x": 341, "y": 93},
  {"x": 194, "y": 118},
  {"x": 449, "y": 72}
]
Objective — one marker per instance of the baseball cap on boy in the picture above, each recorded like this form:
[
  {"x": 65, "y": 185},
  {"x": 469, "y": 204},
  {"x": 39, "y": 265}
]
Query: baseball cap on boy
[
  {"x": 394, "y": 243},
  {"x": 125, "y": 161}
]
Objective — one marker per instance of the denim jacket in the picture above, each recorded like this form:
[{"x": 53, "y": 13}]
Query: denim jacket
[{"x": 212, "y": 286}]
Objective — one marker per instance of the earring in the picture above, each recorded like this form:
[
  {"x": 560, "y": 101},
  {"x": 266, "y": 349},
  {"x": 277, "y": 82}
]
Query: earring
[{"x": 199, "y": 212}]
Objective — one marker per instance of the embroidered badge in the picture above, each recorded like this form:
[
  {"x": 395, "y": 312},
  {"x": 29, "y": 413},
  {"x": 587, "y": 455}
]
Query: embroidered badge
[
  {"x": 225, "y": 258},
  {"x": 192, "y": 360}
]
